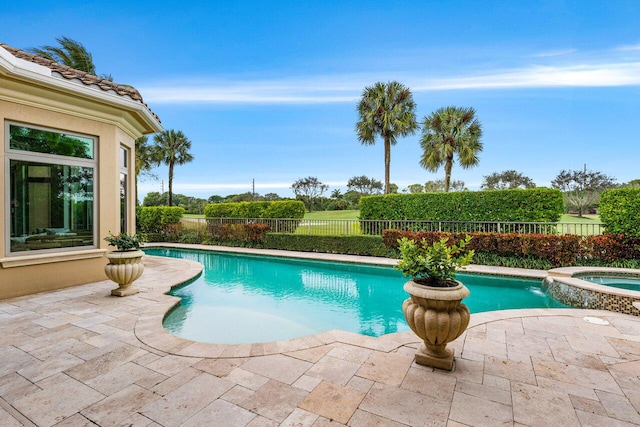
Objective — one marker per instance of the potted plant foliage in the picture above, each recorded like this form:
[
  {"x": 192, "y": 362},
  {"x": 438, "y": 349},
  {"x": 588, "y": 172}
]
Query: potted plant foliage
[
  {"x": 435, "y": 311},
  {"x": 125, "y": 263}
]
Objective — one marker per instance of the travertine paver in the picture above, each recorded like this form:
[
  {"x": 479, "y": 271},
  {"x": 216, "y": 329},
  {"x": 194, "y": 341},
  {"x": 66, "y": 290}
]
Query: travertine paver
[
  {"x": 333, "y": 401},
  {"x": 80, "y": 357},
  {"x": 472, "y": 410},
  {"x": 283, "y": 368}
]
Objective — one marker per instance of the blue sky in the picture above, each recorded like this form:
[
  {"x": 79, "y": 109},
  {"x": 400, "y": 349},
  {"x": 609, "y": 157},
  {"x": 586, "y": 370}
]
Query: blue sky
[{"x": 268, "y": 90}]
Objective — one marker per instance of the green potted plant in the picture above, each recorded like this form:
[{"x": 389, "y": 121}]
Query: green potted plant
[
  {"x": 125, "y": 263},
  {"x": 434, "y": 310}
]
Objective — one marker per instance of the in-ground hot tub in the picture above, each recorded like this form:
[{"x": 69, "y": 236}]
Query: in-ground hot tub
[
  {"x": 631, "y": 283},
  {"x": 613, "y": 289}
]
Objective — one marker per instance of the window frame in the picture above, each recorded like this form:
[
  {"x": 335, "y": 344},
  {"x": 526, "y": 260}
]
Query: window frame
[
  {"x": 51, "y": 159},
  {"x": 125, "y": 154}
]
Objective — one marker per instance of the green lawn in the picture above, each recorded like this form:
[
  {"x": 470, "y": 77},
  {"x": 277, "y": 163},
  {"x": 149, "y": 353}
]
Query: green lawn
[
  {"x": 193, "y": 215},
  {"x": 589, "y": 219},
  {"x": 352, "y": 214},
  {"x": 575, "y": 225}
]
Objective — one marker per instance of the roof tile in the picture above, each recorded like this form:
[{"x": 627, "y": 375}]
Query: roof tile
[{"x": 71, "y": 74}]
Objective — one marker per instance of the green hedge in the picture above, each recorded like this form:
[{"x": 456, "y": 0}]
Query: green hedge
[
  {"x": 620, "y": 211},
  {"x": 351, "y": 245},
  {"x": 557, "y": 251},
  {"x": 532, "y": 205},
  {"x": 276, "y": 209},
  {"x": 156, "y": 219}
]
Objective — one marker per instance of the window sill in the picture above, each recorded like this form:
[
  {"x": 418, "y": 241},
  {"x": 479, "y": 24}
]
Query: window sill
[{"x": 26, "y": 260}]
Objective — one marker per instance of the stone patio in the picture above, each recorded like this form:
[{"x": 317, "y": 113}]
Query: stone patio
[{"x": 81, "y": 357}]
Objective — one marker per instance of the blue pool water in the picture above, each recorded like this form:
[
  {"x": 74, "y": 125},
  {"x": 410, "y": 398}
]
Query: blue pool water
[
  {"x": 629, "y": 283},
  {"x": 250, "y": 299}
]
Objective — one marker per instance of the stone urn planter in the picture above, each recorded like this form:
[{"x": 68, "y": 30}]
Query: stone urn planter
[
  {"x": 125, "y": 263},
  {"x": 437, "y": 316},
  {"x": 434, "y": 311},
  {"x": 124, "y": 268}
]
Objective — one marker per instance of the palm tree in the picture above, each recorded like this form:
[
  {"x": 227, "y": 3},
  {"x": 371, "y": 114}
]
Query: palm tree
[
  {"x": 70, "y": 53},
  {"x": 386, "y": 110},
  {"x": 144, "y": 160},
  {"x": 447, "y": 132},
  {"x": 171, "y": 148}
]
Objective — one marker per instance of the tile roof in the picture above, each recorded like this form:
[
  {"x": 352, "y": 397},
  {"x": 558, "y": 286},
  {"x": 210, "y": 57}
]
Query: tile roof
[{"x": 87, "y": 79}]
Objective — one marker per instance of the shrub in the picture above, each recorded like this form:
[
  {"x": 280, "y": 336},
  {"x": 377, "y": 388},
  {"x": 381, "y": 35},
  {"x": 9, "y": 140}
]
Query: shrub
[
  {"x": 237, "y": 234},
  {"x": 285, "y": 209},
  {"x": 433, "y": 264},
  {"x": 620, "y": 211},
  {"x": 274, "y": 209},
  {"x": 154, "y": 219},
  {"x": 172, "y": 231},
  {"x": 190, "y": 238},
  {"x": 555, "y": 250},
  {"x": 531, "y": 205},
  {"x": 351, "y": 245}
]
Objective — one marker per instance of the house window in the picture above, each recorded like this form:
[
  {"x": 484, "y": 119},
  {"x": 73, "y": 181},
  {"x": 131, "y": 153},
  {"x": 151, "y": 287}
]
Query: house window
[
  {"x": 124, "y": 196},
  {"x": 50, "y": 186}
]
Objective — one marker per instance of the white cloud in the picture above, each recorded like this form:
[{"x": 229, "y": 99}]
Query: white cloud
[
  {"x": 627, "y": 48},
  {"x": 246, "y": 186},
  {"x": 553, "y": 53},
  {"x": 347, "y": 88},
  {"x": 606, "y": 75}
]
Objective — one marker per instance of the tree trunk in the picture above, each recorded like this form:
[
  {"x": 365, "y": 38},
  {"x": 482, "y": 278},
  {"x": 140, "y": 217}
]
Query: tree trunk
[
  {"x": 170, "y": 184},
  {"x": 387, "y": 163},
  {"x": 447, "y": 174}
]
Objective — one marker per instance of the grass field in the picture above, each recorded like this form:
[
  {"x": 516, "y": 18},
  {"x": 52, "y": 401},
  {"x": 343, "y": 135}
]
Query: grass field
[
  {"x": 352, "y": 214},
  {"x": 313, "y": 223},
  {"x": 588, "y": 219}
]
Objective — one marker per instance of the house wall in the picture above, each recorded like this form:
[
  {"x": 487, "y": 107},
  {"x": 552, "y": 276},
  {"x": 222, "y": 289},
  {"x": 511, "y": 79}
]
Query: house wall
[{"x": 28, "y": 272}]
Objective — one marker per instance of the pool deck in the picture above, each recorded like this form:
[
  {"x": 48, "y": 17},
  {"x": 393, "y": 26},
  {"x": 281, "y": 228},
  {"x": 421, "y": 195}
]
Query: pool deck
[{"x": 81, "y": 357}]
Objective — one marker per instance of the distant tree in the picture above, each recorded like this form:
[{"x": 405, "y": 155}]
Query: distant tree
[
  {"x": 434, "y": 186},
  {"x": 339, "y": 204},
  {"x": 336, "y": 194},
  {"x": 393, "y": 188},
  {"x": 70, "y": 53},
  {"x": 506, "y": 180},
  {"x": 449, "y": 132},
  {"x": 386, "y": 110},
  {"x": 415, "y": 188},
  {"x": 353, "y": 198},
  {"x": 246, "y": 197},
  {"x": 308, "y": 190},
  {"x": 457, "y": 186},
  {"x": 582, "y": 188},
  {"x": 364, "y": 185},
  {"x": 437, "y": 186},
  {"x": 193, "y": 205},
  {"x": 155, "y": 198},
  {"x": 272, "y": 196},
  {"x": 215, "y": 199},
  {"x": 190, "y": 204},
  {"x": 634, "y": 183},
  {"x": 171, "y": 148}
]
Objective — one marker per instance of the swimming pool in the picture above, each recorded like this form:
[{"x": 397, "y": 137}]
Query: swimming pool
[{"x": 250, "y": 299}]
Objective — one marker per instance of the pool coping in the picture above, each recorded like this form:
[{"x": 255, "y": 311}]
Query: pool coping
[{"x": 149, "y": 330}]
